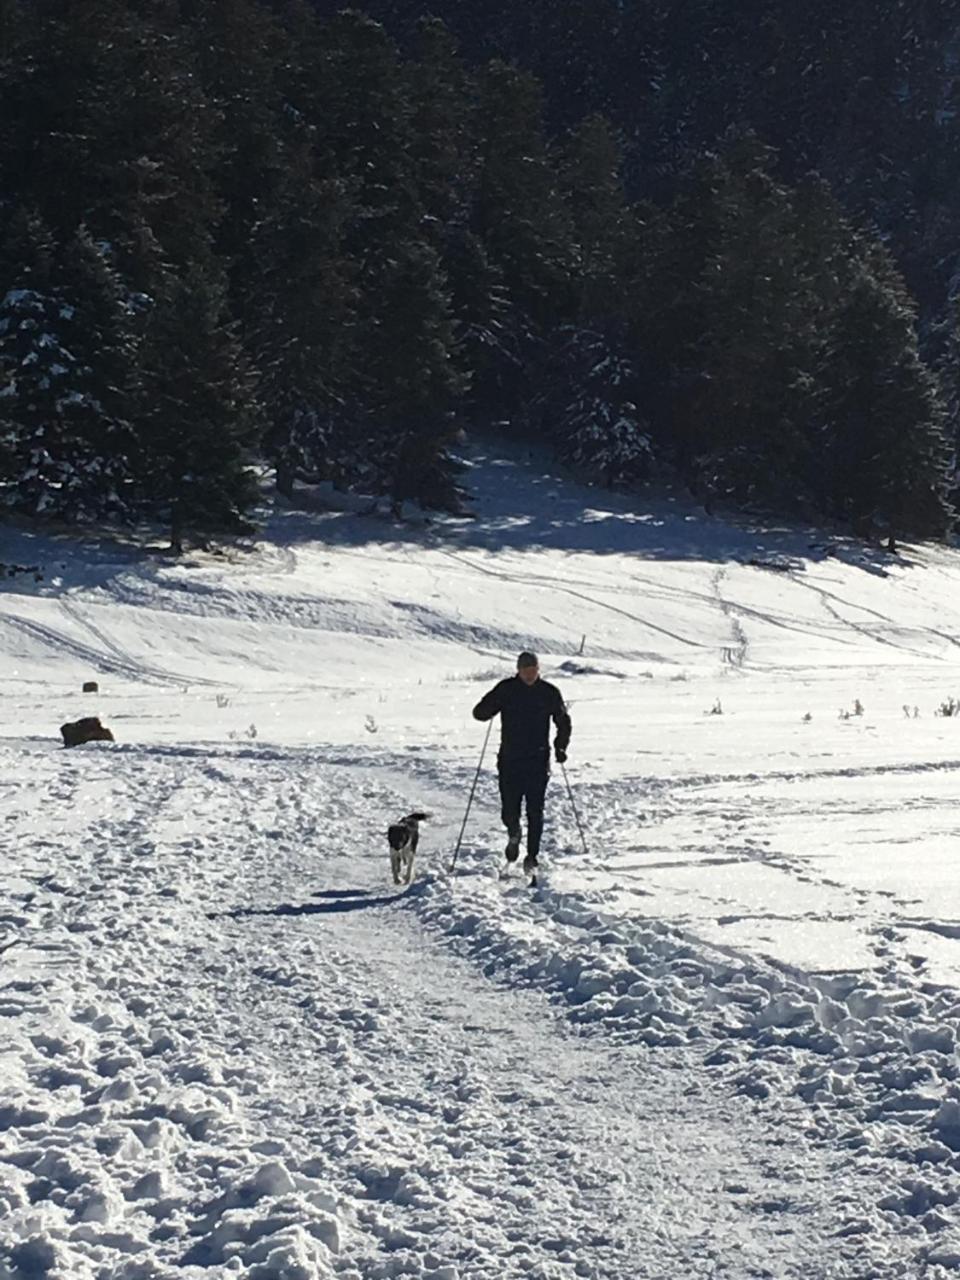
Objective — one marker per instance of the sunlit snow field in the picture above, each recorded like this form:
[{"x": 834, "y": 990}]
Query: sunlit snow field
[
  {"x": 777, "y": 826},
  {"x": 770, "y": 803}
]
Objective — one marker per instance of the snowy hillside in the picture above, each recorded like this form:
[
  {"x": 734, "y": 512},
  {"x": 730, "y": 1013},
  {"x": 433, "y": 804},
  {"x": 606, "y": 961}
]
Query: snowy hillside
[{"x": 722, "y": 1041}]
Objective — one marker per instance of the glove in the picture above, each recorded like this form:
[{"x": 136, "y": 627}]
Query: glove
[{"x": 560, "y": 754}]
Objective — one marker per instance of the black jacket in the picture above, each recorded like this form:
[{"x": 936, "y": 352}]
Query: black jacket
[{"x": 525, "y": 715}]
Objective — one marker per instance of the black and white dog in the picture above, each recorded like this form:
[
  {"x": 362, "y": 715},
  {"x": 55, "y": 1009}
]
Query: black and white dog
[{"x": 403, "y": 837}]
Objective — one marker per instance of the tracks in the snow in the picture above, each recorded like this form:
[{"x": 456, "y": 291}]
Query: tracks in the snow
[{"x": 108, "y": 656}]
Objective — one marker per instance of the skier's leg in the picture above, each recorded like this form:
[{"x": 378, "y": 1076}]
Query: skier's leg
[
  {"x": 511, "y": 793},
  {"x": 534, "y": 793}
]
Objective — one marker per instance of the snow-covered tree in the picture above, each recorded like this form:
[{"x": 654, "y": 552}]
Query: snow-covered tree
[
  {"x": 200, "y": 411},
  {"x": 412, "y": 380},
  {"x": 67, "y": 359},
  {"x": 889, "y": 455},
  {"x": 299, "y": 302},
  {"x": 602, "y": 220},
  {"x": 590, "y": 410},
  {"x": 520, "y": 214}
]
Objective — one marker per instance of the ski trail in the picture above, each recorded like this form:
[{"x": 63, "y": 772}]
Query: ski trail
[
  {"x": 504, "y": 576},
  {"x": 826, "y": 597},
  {"x": 104, "y": 659},
  {"x": 521, "y": 1136},
  {"x": 145, "y": 671},
  {"x": 223, "y": 1014}
]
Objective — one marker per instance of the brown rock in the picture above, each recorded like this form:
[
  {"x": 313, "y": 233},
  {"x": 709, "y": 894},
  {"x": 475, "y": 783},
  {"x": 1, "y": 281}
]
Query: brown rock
[{"x": 89, "y": 729}]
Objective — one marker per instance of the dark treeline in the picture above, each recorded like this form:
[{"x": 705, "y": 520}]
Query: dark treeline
[{"x": 686, "y": 240}]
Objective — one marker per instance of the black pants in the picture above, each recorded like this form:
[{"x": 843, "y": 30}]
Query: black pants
[{"x": 519, "y": 781}]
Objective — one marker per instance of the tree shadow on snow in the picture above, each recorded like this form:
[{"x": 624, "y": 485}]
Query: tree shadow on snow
[{"x": 520, "y": 500}]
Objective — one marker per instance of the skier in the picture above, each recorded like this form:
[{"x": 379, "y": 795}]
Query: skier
[{"x": 526, "y": 705}]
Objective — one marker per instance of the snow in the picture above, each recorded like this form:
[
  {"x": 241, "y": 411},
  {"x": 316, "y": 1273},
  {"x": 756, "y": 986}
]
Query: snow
[{"x": 722, "y": 1040}]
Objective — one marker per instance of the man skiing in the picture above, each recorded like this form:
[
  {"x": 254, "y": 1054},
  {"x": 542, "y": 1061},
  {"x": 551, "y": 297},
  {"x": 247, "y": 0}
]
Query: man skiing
[{"x": 526, "y": 705}]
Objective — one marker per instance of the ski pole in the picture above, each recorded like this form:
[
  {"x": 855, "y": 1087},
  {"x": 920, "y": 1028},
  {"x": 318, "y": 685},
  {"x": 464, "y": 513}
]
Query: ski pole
[
  {"x": 573, "y": 806},
  {"x": 476, "y": 776}
]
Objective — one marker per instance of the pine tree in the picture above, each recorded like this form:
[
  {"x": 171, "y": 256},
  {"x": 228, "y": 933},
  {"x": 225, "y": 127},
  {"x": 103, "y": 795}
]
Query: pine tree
[
  {"x": 442, "y": 131},
  {"x": 405, "y": 375},
  {"x": 446, "y": 147},
  {"x": 948, "y": 373},
  {"x": 360, "y": 112},
  {"x": 444, "y": 154},
  {"x": 103, "y": 340},
  {"x": 492, "y": 337},
  {"x": 758, "y": 352},
  {"x": 668, "y": 325},
  {"x": 603, "y": 227},
  {"x": 199, "y": 410},
  {"x": 300, "y": 305},
  {"x": 738, "y": 332},
  {"x": 33, "y": 367},
  {"x": 576, "y": 53},
  {"x": 66, "y": 363},
  {"x": 241, "y": 51},
  {"x": 415, "y": 380},
  {"x": 890, "y": 458},
  {"x": 526, "y": 246},
  {"x": 591, "y": 411},
  {"x": 520, "y": 214},
  {"x": 119, "y": 137}
]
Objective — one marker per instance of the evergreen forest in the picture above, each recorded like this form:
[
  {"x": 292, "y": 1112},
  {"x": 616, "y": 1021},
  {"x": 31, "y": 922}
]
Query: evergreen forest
[{"x": 709, "y": 243}]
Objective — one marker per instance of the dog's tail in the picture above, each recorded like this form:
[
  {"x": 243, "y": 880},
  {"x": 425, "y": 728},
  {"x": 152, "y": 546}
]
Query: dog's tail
[{"x": 417, "y": 817}]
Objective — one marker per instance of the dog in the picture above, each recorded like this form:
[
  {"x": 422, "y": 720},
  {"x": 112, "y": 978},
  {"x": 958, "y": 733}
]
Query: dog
[{"x": 403, "y": 837}]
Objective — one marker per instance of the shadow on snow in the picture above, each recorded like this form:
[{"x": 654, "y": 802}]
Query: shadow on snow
[
  {"x": 520, "y": 500},
  {"x": 336, "y": 902}
]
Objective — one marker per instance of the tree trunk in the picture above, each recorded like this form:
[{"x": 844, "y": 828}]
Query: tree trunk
[
  {"x": 286, "y": 475},
  {"x": 176, "y": 530}
]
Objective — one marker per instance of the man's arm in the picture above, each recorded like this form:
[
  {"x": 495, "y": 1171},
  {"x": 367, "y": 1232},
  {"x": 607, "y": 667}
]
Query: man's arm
[
  {"x": 490, "y": 703},
  {"x": 561, "y": 718}
]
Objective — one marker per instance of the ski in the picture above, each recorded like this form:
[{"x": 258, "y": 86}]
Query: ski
[{"x": 506, "y": 873}]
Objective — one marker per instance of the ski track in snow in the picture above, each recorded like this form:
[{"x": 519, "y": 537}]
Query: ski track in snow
[
  {"x": 524, "y": 579},
  {"x": 226, "y": 1064},
  {"x": 107, "y": 658}
]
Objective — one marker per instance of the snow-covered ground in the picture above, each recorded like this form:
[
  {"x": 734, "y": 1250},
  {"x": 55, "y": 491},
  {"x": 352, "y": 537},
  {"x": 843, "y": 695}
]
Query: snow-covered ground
[{"x": 720, "y": 1042}]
